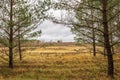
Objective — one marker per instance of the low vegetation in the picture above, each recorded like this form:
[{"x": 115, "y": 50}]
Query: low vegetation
[{"x": 59, "y": 63}]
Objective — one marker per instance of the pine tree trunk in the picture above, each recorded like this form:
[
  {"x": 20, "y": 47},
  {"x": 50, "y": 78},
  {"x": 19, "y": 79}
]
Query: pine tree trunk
[
  {"x": 94, "y": 44},
  {"x": 10, "y": 57},
  {"x": 93, "y": 33},
  {"x": 11, "y": 37},
  {"x": 111, "y": 36},
  {"x": 19, "y": 46},
  {"x": 107, "y": 40}
]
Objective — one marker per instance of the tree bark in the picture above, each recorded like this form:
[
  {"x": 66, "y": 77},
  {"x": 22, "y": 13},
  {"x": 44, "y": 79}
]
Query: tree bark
[
  {"x": 11, "y": 36},
  {"x": 19, "y": 46},
  {"x": 94, "y": 44},
  {"x": 107, "y": 40},
  {"x": 93, "y": 35},
  {"x": 111, "y": 36}
]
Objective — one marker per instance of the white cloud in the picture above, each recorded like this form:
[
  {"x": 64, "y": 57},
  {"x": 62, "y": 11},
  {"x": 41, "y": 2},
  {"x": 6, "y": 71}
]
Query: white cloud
[{"x": 54, "y": 32}]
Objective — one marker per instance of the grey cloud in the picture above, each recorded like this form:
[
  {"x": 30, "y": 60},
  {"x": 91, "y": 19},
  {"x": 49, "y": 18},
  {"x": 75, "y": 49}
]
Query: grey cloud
[{"x": 54, "y": 32}]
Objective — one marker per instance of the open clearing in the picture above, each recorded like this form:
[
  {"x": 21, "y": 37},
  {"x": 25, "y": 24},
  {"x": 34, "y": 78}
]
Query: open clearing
[{"x": 59, "y": 63}]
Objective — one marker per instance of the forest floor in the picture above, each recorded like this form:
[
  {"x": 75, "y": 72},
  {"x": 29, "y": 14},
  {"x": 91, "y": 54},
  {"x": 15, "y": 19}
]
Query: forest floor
[{"x": 59, "y": 63}]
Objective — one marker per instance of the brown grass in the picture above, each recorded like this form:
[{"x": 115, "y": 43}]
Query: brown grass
[{"x": 64, "y": 63}]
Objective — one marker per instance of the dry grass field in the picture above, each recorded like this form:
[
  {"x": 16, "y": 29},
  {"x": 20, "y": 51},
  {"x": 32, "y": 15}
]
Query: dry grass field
[{"x": 59, "y": 63}]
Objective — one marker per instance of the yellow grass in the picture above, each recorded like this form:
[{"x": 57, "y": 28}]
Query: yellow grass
[{"x": 59, "y": 63}]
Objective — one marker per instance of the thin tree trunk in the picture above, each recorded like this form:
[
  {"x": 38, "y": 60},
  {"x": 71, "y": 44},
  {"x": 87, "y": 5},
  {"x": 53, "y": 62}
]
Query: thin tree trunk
[
  {"x": 94, "y": 44},
  {"x": 19, "y": 46},
  {"x": 106, "y": 40},
  {"x": 111, "y": 37},
  {"x": 11, "y": 36},
  {"x": 93, "y": 34}
]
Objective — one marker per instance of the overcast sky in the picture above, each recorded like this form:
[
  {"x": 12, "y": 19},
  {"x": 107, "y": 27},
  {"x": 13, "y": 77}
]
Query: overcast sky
[{"x": 54, "y": 32}]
